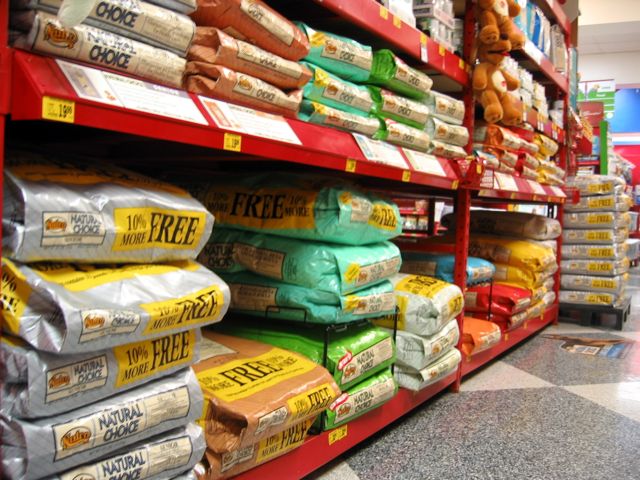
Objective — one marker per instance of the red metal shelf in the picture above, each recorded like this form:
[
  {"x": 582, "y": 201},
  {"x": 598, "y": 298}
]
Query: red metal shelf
[
  {"x": 553, "y": 10},
  {"x": 372, "y": 16},
  {"x": 584, "y": 146},
  {"x": 509, "y": 187},
  {"x": 35, "y": 77},
  {"x": 509, "y": 340},
  {"x": 545, "y": 125},
  {"x": 317, "y": 451}
]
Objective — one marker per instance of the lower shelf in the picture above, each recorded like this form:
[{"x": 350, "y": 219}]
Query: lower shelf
[
  {"x": 317, "y": 449},
  {"x": 509, "y": 340}
]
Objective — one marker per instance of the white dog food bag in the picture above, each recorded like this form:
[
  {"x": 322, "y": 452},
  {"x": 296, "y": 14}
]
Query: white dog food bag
[
  {"x": 415, "y": 380},
  {"x": 417, "y": 352}
]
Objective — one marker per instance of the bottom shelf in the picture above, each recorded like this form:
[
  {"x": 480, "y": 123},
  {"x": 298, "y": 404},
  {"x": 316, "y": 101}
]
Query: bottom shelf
[
  {"x": 509, "y": 340},
  {"x": 318, "y": 450}
]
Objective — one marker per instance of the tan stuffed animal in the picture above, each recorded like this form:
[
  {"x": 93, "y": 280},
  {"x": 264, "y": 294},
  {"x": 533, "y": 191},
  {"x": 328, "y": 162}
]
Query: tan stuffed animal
[
  {"x": 496, "y": 22},
  {"x": 492, "y": 85}
]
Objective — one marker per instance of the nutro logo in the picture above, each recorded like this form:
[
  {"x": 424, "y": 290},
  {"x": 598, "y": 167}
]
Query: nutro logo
[
  {"x": 55, "y": 224},
  {"x": 244, "y": 84},
  {"x": 59, "y": 37},
  {"x": 75, "y": 437},
  {"x": 59, "y": 380},
  {"x": 94, "y": 321}
]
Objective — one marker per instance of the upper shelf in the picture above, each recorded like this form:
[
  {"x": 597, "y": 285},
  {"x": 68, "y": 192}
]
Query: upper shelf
[
  {"x": 542, "y": 64},
  {"x": 553, "y": 10},
  {"x": 373, "y": 17},
  {"x": 503, "y": 186}
]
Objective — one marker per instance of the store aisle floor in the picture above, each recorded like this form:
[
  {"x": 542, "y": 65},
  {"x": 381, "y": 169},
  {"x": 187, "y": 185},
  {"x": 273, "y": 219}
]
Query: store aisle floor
[{"x": 540, "y": 412}]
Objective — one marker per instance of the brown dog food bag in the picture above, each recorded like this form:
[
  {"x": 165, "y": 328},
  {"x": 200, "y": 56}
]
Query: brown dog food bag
[
  {"x": 253, "y": 390},
  {"x": 212, "y": 45},
  {"x": 254, "y": 22},
  {"x": 224, "y": 84}
]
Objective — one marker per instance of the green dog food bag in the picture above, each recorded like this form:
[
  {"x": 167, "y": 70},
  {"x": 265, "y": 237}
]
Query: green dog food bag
[
  {"x": 260, "y": 296},
  {"x": 391, "y": 72},
  {"x": 404, "y": 135},
  {"x": 447, "y": 133},
  {"x": 301, "y": 206},
  {"x": 362, "y": 398},
  {"x": 314, "y": 112},
  {"x": 353, "y": 354},
  {"x": 400, "y": 109},
  {"x": 339, "y": 55},
  {"x": 330, "y": 90},
  {"x": 445, "y": 108},
  {"x": 328, "y": 267}
]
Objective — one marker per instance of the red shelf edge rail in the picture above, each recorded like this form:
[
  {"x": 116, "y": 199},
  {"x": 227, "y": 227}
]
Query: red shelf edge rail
[
  {"x": 371, "y": 16},
  {"x": 316, "y": 450},
  {"x": 545, "y": 125}
]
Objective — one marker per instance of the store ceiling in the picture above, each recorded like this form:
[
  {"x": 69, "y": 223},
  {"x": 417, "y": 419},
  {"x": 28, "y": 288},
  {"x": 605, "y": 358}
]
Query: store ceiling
[{"x": 609, "y": 27}]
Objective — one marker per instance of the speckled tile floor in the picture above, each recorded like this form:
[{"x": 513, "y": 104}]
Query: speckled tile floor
[{"x": 539, "y": 413}]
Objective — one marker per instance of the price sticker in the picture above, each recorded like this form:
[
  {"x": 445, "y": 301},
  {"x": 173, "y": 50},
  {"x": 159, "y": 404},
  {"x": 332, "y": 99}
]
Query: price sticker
[
  {"x": 454, "y": 185},
  {"x": 397, "y": 22},
  {"x": 384, "y": 13},
  {"x": 58, "y": 110},
  {"x": 506, "y": 337},
  {"x": 406, "y": 176},
  {"x": 461, "y": 64},
  {"x": 350, "y": 165},
  {"x": 232, "y": 142},
  {"x": 338, "y": 434},
  {"x": 441, "y": 50}
]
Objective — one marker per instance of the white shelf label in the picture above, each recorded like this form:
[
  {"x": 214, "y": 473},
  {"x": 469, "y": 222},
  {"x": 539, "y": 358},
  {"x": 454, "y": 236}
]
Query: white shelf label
[
  {"x": 537, "y": 188},
  {"x": 425, "y": 163},
  {"x": 228, "y": 116},
  {"x": 113, "y": 89},
  {"x": 506, "y": 182},
  {"x": 381, "y": 152},
  {"x": 557, "y": 191}
]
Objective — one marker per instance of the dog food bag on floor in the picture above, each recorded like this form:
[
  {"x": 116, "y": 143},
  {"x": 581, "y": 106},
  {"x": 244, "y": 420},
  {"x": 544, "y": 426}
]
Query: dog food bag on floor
[
  {"x": 353, "y": 354},
  {"x": 138, "y": 20},
  {"x": 616, "y": 251},
  {"x": 596, "y": 220},
  {"x": 591, "y": 298},
  {"x": 224, "y": 84},
  {"x": 156, "y": 458},
  {"x": 590, "y": 185},
  {"x": 314, "y": 112},
  {"x": 339, "y": 55},
  {"x": 255, "y": 22},
  {"x": 99, "y": 47},
  {"x": 39, "y": 448},
  {"x": 367, "y": 395},
  {"x": 600, "y": 236},
  {"x": 40, "y": 384},
  {"x": 414, "y": 380},
  {"x": 97, "y": 214},
  {"x": 253, "y": 390},
  {"x": 229, "y": 464},
  {"x": 400, "y": 109},
  {"x": 594, "y": 284},
  {"x": 328, "y": 267},
  {"x": 213, "y": 46},
  {"x": 404, "y": 135},
  {"x": 444, "y": 107},
  {"x": 302, "y": 206},
  {"x": 501, "y": 299},
  {"x": 335, "y": 92},
  {"x": 447, "y": 133},
  {"x": 598, "y": 203},
  {"x": 514, "y": 224},
  {"x": 425, "y": 304},
  {"x": 605, "y": 268},
  {"x": 255, "y": 295},
  {"x": 442, "y": 266},
  {"x": 479, "y": 335},
  {"x": 389, "y": 71},
  {"x": 418, "y": 351},
  {"x": 64, "y": 309}
]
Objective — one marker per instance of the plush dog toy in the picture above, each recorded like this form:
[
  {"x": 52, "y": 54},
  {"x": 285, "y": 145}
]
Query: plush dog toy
[
  {"x": 496, "y": 22},
  {"x": 492, "y": 84}
]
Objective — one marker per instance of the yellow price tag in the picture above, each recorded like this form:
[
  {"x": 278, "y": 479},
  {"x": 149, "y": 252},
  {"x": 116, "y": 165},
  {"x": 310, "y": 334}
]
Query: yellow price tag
[
  {"x": 58, "y": 109},
  {"x": 337, "y": 434},
  {"x": 423, "y": 39},
  {"x": 461, "y": 64},
  {"x": 441, "y": 50},
  {"x": 513, "y": 196},
  {"x": 384, "y": 13},
  {"x": 232, "y": 142},
  {"x": 351, "y": 165},
  {"x": 454, "y": 185},
  {"x": 506, "y": 337},
  {"x": 397, "y": 22},
  {"x": 406, "y": 176}
]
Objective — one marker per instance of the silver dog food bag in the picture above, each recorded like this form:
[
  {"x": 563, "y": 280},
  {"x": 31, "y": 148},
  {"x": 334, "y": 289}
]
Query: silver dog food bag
[
  {"x": 39, "y": 384},
  {"x": 39, "y": 448},
  {"x": 61, "y": 212},
  {"x": 154, "y": 459},
  {"x": 64, "y": 308}
]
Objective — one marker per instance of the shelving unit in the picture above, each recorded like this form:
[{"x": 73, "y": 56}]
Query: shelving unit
[{"x": 33, "y": 88}]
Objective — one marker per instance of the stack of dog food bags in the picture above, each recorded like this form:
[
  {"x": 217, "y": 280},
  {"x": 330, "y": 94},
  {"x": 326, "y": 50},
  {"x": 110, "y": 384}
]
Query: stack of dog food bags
[
  {"x": 500, "y": 143},
  {"x": 594, "y": 262},
  {"x": 549, "y": 173},
  {"x": 427, "y": 329},
  {"x": 97, "y": 346},
  {"x": 146, "y": 39},
  {"x": 260, "y": 401},
  {"x": 518, "y": 244}
]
